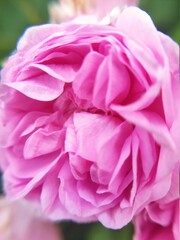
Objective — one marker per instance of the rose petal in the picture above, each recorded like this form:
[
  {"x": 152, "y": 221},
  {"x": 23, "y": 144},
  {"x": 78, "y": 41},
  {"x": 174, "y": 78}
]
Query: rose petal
[{"x": 45, "y": 88}]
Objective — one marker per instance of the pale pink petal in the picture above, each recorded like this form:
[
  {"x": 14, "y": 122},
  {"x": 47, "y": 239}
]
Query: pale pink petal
[
  {"x": 137, "y": 25},
  {"x": 21, "y": 220},
  {"x": 43, "y": 89},
  {"x": 93, "y": 9}
]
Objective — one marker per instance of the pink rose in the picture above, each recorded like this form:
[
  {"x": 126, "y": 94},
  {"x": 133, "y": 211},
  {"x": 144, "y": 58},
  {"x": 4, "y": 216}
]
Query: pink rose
[
  {"x": 160, "y": 220},
  {"x": 91, "y": 118},
  {"x": 21, "y": 221},
  {"x": 88, "y": 10}
]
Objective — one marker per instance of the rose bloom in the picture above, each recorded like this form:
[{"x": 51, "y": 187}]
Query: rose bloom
[
  {"x": 160, "y": 220},
  {"x": 19, "y": 220},
  {"x": 91, "y": 118}
]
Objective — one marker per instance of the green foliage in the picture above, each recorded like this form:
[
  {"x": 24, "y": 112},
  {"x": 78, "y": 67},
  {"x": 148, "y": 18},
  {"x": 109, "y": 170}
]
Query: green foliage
[
  {"x": 15, "y": 17},
  {"x": 98, "y": 232},
  {"x": 94, "y": 231}
]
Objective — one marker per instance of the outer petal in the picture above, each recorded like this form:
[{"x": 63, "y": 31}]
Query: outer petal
[
  {"x": 44, "y": 89},
  {"x": 137, "y": 24}
]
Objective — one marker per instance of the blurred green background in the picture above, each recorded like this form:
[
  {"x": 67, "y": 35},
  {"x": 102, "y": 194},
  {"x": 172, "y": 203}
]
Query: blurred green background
[{"x": 17, "y": 15}]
